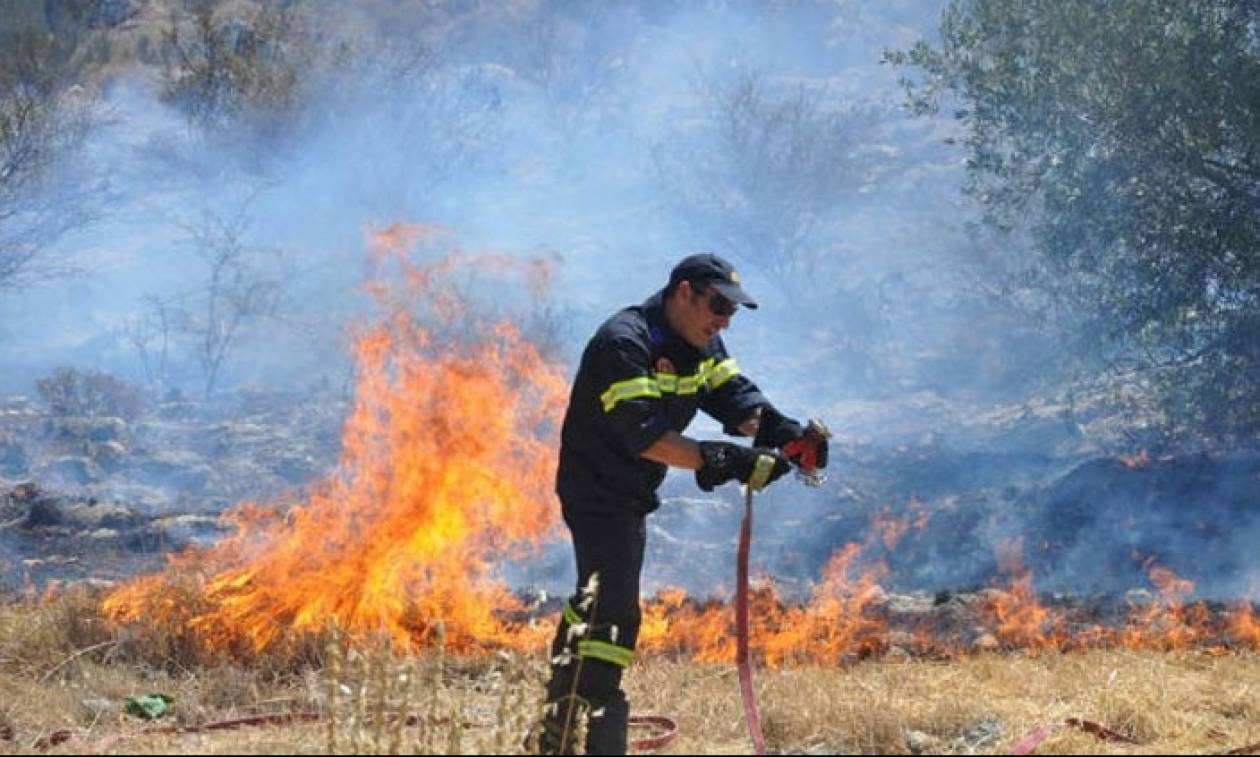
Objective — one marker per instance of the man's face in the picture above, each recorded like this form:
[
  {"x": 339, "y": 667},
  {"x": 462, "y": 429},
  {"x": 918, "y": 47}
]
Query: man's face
[{"x": 702, "y": 313}]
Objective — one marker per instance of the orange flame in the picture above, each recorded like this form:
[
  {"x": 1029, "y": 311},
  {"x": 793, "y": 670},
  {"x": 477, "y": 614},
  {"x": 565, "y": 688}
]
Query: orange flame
[
  {"x": 835, "y": 625},
  {"x": 890, "y": 528},
  {"x": 1016, "y": 615},
  {"x": 446, "y": 470},
  {"x": 1167, "y": 624},
  {"x": 1141, "y": 460},
  {"x": 1243, "y": 627}
]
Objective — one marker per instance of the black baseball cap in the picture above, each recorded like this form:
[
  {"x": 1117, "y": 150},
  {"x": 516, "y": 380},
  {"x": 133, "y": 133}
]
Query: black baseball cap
[{"x": 709, "y": 270}]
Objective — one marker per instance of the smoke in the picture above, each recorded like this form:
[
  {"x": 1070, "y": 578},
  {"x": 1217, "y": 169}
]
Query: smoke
[
  {"x": 611, "y": 139},
  {"x": 526, "y": 129}
]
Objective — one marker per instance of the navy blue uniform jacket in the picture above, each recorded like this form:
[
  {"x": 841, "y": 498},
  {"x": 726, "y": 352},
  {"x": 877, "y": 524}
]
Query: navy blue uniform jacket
[{"x": 637, "y": 380}]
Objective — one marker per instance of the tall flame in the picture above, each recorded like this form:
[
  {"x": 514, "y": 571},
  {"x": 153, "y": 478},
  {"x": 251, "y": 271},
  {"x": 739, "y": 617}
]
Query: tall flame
[
  {"x": 446, "y": 470},
  {"x": 1018, "y": 617}
]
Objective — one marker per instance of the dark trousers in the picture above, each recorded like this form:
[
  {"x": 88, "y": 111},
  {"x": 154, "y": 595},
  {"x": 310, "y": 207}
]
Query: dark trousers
[{"x": 590, "y": 667}]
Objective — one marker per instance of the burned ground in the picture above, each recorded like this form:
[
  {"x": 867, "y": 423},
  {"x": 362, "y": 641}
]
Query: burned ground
[{"x": 102, "y": 498}]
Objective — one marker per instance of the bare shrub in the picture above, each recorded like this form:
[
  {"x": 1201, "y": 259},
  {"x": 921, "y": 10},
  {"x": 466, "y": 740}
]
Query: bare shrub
[
  {"x": 91, "y": 394},
  {"x": 45, "y": 118}
]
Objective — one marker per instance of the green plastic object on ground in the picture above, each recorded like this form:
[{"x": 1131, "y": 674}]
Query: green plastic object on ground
[{"x": 149, "y": 706}]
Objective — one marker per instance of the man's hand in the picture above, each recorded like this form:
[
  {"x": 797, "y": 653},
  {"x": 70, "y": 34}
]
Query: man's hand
[
  {"x": 724, "y": 461},
  {"x": 805, "y": 446}
]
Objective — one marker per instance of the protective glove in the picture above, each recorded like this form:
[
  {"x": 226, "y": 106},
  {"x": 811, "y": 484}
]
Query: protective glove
[
  {"x": 805, "y": 447},
  {"x": 724, "y": 461}
]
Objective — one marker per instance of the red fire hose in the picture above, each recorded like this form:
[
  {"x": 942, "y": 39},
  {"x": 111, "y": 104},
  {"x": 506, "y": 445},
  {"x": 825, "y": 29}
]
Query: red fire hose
[
  {"x": 667, "y": 731},
  {"x": 741, "y": 629},
  {"x": 804, "y": 454}
]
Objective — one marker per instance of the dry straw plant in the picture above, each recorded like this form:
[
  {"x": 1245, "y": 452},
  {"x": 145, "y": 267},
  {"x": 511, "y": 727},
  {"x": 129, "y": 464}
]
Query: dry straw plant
[{"x": 64, "y": 676}]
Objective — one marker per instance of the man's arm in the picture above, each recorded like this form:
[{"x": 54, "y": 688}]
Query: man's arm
[
  {"x": 731, "y": 397},
  {"x": 675, "y": 450}
]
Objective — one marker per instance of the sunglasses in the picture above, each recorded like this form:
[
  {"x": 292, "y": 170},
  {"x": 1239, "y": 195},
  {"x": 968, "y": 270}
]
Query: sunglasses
[{"x": 719, "y": 304}]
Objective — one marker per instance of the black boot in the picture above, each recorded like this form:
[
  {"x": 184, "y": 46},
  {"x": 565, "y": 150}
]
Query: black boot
[
  {"x": 598, "y": 698},
  {"x": 554, "y": 734},
  {"x": 606, "y": 729}
]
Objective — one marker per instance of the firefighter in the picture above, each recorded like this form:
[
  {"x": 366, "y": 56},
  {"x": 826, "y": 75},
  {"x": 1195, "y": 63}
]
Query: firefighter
[{"x": 643, "y": 376}]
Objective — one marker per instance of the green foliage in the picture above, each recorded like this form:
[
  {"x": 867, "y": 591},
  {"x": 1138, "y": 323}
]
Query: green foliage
[
  {"x": 1124, "y": 138},
  {"x": 69, "y": 391},
  {"x": 220, "y": 67}
]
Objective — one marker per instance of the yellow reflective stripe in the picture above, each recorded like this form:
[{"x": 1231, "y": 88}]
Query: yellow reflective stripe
[
  {"x": 707, "y": 377},
  {"x": 602, "y": 650},
  {"x": 630, "y": 389},
  {"x": 671, "y": 384},
  {"x": 695, "y": 382},
  {"x": 570, "y": 615},
  {"x": 723, "y": 372},
  {"x": 761, "y": 472}
]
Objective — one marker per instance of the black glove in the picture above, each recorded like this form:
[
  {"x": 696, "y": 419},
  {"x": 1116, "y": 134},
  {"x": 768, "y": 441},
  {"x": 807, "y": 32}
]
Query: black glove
[
  {"x": 724, "y": 461},
  {"x": 775, "y": 429},
  {"x": 778, "y": 431}
]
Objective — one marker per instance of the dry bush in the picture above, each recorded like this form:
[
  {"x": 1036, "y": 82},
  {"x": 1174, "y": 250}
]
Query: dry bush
[
  {"x": 90, "y": 394},
  {"x": 40, "y": 636},
  {"x": 383, "y": 702}
]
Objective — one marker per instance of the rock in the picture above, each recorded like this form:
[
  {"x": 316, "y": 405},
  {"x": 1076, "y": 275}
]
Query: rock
[
  {"x": 182, "y": 530},
  {"x": 12, "y": 512},
  {"x": 32, "y": 562},
  {"x": 43, "y": 512},
  {"x": 76, "y": 428},
  {"x": 149, "y": 501},
  {"x": 986, "y": 642},
  {"x": 96, "y": 708},
  {"x": 72, "y": 470},
  {"x": 77, "y": 516},
  {"x": 897, "y": 653},
  {"x": 919, "y": 742},
  {"x": 172, "y": 469},
  {"x": 109, "y": 455},
  {"x": 910, "y": 604},
  {"x": 980, "y": 734},
  {"x": 177, "y": 409},
  {"x": 94, "y": 515},
  {"x": 13, "y": 459},
  {"x": 26, "y": 491},
  {"x": 877, "y": 598}
]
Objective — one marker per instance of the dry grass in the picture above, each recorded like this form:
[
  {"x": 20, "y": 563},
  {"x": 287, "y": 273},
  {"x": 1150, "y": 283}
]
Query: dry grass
[
  {"x": 60, "y": 668},
  {"x": 1188, "y": 703}
]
